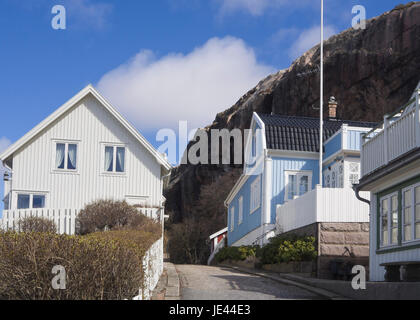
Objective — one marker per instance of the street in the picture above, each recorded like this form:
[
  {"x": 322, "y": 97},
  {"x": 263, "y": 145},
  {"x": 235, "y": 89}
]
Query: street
[{"x": 218, "y": 283}]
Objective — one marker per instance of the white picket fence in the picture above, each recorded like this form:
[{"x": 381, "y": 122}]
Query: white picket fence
[
  {"x": 64, "y": 219},
  {"x": 322, "y": 205}
]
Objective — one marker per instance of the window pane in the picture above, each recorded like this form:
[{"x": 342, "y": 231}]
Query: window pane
[
  {"x": 394, "y": 235},
  {"x": 385, "y": 205},
  {"x": 394, "y": 219},
  {"x": 394, "y": 203},
  {"x": 23, "y": 201},
  {"x": 72, "y": 156},
  {"x": 385, "y": 237},
  {"x": 303, "y": 185},
  {"x": 120, "y": 159},
  {"x": 417, "y": 191},
  {"x": 407, "y": 198},
  {"x": 407, "y": 216},
  {"x": 418, "y": 212},
  {"x": 59, "y": 158},
  {"x": 417, "y": 230},
  {"x": 292, "y": 186},
  {"x": 38, "y": 202},
  {"x": 407, "y": 233},
  {"x": 109, "y": 158}
]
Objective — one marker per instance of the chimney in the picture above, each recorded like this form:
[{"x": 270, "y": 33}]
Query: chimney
[{"x": 332, "y": 108}]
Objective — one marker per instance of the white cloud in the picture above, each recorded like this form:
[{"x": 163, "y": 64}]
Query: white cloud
[
  {"x": 4, "y": 143},
  {"x": 308, "y": 39},
  {"x": 158, "y": 92},
  {"x": 87, "y": 12},
  {"x": 258, "y": 7}
]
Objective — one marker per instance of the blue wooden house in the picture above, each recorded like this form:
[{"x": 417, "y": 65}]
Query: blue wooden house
[{"x": 282, "y": 164}]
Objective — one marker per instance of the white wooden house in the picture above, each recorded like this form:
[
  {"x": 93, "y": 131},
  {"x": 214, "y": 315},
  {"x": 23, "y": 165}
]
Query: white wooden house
[
  {"x": 83, "y": 152},
  {"x": 391, "y": 173}
]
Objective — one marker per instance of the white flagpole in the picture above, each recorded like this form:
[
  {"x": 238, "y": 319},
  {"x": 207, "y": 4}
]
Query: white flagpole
[{"x": 321, "y": 113}]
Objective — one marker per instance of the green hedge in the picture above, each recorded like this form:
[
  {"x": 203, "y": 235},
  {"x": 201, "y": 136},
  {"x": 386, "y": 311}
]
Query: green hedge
[
  {"x": 279, "y": 249},
  {"x": 100, "y": 266},
  {"x": 288, "y": 248},
  {"x": 236, "y": 253}
]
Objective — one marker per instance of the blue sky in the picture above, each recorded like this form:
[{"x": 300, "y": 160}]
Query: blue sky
[{"x": 157, "y": 61}]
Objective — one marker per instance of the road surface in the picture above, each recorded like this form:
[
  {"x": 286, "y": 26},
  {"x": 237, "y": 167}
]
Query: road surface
[{"x": 218, "y": 283}]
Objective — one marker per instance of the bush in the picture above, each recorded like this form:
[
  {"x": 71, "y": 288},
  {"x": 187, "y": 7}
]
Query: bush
[
  {"x": 100, "y": 266},
  {"x": 105, "y": 215},
  {"x": 236, "y": 253},
  {"x": 288, "y": 248},
  {"x": 37, "y": 224}
]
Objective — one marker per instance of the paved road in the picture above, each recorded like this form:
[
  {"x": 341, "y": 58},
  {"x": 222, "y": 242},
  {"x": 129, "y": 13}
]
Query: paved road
[{"x": 215, "y": 283}]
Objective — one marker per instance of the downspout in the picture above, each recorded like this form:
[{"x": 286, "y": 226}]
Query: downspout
[
  {"x": 356, "y": 192},
  {"x": 265, "y": 212}
]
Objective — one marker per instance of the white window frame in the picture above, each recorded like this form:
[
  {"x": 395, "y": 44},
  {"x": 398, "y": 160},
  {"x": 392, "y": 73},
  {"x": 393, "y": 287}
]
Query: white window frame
[
  {"x": 255, "y": 195},
  {"x": 66, "y": 150},
  {"x": 114, "y": 162},
  {"x": 232, "y": 218},
  {"x": 298, "y": 174},
  {"x": 388, "y": 198},
  {"x": 240, "y": 210},
  {"x": 31, "y": 195}
]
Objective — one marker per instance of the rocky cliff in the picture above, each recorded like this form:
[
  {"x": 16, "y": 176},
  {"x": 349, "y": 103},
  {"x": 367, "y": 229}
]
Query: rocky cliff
[{"x": 370, "y": 72}]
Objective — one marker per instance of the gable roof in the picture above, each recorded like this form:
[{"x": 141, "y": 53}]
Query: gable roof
[
  {"x": 301, "y": 133},
  {"x": 67, "y": 106}
]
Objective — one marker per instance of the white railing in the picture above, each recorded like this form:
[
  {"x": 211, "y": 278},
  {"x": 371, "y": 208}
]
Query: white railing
[
  {"x": 393, "y": 140},
  {"x": 337, "y": 205},
  {"x": 64, "y": 219}
]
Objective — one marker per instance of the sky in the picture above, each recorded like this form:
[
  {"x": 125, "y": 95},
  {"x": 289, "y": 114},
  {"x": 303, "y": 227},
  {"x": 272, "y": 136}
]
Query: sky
[{"x": 158, "y": 62}]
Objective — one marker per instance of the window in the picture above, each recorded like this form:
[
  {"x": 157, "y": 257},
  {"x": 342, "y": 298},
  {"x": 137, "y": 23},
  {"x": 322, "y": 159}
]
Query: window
[
  {"x": 297, "y": 183},
  {"x": 30, "y": 201},
  {"x": 114, "y": 159},
  {"x": 354, "y": 175},
  {"x": 389, "y": 219},
  {"x": 340, "y": 182},
  {"x": 333, "y": 179},
  {"x": 327, "y": 181},
  {"x": 407, "y": 215},
  {"x": 255, "y": 194},
  {"x": 254, "y": 144},
  {"x": 417, "y": 210},
  {"x": 241, "y": 210},
  {"x": 66, "y": 156},
  {"x": 232, "y": 218}
]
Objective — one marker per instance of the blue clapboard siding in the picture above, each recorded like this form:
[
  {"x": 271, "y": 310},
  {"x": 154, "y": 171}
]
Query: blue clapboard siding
[
  {"x": 250, "y": 221},
  {"x": 333, "y": 146},
  {"x": 353, "y": 139},
  {"x": 280, "y": 165}
]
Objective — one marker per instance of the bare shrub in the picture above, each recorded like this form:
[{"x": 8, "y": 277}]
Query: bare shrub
[
  {"x": 105, "y": 215},
  {"x": 100, "y": 266},
  {"x": 37, "y": 224}
]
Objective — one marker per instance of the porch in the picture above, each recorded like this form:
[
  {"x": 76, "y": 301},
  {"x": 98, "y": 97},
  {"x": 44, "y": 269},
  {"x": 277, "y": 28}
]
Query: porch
[
  {"x": 398, "y": 135},
  {"x": 322, "y": 205}
]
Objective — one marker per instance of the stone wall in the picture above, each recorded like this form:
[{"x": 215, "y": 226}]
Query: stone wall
[{"x": 347, "y": 242}]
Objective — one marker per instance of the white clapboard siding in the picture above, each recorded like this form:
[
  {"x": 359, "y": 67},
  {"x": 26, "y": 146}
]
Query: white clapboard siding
[
  {"x": 64, "y": 219},
  {"x": 394, "y": 140},
  {"x": 322, "y": 205},
  {"x": 90, "y": 126}
]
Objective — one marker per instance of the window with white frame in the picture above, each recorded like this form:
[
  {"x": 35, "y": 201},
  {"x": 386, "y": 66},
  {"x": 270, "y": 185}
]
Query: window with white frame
[
  {"x": 417, "y": 212},
  {"x": 255, "y": 194},
  {"x": 354, "y": 169},
  {"x": 30, "y": 201},
  {"x": 297, "y": 183},
  {"x": 240, "y": 210},
  {"x": 65, "y": 156},
  {"x": 114, "y": 159},
  {"x": 232, "y": 218},
  {"x": 389, "y": 219}
]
